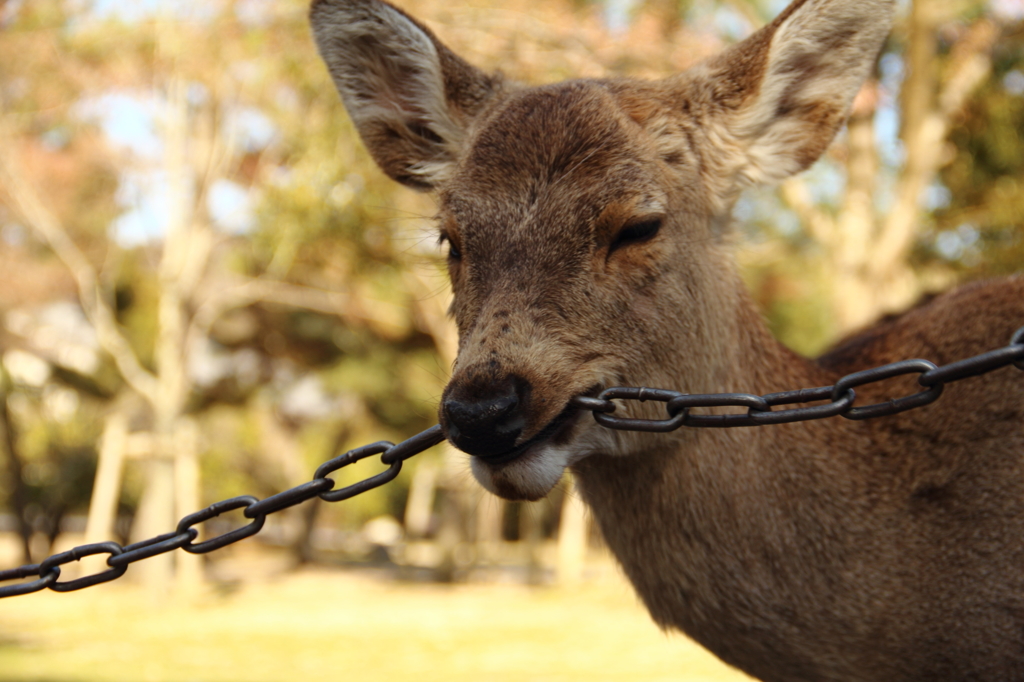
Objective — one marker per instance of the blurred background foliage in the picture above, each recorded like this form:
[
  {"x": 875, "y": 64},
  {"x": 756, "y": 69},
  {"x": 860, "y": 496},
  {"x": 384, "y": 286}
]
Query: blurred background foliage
[{"x": 197, "y": 253}]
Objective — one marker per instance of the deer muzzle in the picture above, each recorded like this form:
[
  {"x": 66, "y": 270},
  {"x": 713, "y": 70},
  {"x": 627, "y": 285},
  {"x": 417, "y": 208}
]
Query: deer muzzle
[{"x": 485, "y": 417}]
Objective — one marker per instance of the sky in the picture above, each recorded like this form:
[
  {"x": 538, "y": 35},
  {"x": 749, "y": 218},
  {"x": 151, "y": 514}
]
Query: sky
[
  {"x": 131, "y": 123},
  {"x": 131, "y": 120},
  {"x": 138, "y": 10}
]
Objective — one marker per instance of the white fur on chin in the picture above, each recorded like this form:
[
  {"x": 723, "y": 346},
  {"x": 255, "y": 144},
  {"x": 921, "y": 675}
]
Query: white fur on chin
[{"x": 530, "y": 476}]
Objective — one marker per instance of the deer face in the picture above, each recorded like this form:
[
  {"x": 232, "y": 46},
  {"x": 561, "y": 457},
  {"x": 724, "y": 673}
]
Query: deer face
[
  {"x": 568, "y": 237},
  {"x": 584, "y": 220}
]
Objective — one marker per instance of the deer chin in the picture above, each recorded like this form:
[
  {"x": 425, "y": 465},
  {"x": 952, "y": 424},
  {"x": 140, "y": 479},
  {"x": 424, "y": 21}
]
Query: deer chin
[
  {"x": 532, "y": 469},
  {"x": 530, "y": 476}
]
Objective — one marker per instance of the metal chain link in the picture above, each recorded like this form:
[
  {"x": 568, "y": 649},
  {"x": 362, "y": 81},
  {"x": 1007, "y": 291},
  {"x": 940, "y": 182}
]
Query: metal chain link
[
  {"x": 840, "y": 396},
  {"x": 184, "y": 536}
]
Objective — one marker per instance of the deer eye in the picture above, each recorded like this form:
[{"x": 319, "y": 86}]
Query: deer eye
[
  {"x": 635, "y": 233},
  {"x": 453, "y": 250}
]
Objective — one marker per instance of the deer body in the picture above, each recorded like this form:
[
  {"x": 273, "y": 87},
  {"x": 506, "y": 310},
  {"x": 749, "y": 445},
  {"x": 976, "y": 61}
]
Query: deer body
[
  {"x": 838, "y": 550},
  {"x": 587, "y": 225}
]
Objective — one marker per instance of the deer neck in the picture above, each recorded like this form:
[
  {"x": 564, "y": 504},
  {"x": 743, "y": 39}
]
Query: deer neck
[{"x": 703, "y": 518}]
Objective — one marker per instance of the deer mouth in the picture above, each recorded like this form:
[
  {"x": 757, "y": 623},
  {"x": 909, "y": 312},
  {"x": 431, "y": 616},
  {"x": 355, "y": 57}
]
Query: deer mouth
[
  {"x": 555, "y": 432},
  {"x": 552, "y": 432},
  {"x": 531, "y": 469}
]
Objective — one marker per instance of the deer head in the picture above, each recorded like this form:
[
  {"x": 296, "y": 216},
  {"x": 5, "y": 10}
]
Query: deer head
[{"x": 587, "y": 221}]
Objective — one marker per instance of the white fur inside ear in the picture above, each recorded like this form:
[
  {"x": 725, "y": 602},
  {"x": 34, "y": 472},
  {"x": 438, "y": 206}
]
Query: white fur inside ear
[
  {"x": 388, "y": 72},
  {"x": 817, "y": 61}
]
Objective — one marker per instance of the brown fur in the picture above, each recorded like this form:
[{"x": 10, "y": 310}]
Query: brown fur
[{"x": 830, "y": 550}]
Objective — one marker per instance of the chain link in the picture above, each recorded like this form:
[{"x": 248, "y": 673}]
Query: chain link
[
  {"x": 840, "y": 396},
  {"x": 840, "y": 399},
  {"x": 184, "y": 536}
]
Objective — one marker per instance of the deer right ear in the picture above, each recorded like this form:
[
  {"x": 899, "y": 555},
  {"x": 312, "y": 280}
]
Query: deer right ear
[
  {"x": 410, "y": 97},
  {"x": 772, "y": 103}
]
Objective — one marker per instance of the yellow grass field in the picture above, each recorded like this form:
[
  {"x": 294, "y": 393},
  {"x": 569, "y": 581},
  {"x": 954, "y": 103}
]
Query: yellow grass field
[{"x": 347, "y": 626}]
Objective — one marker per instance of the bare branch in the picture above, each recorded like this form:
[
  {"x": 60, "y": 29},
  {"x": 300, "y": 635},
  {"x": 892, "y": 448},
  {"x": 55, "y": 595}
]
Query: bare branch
[
  {"x": 41, "y": 220},
  {"x": 972, "y": 63},
  {"x": 340, "y": 304},
  {"x": 820, "y": 225},
  {"x": 925, "y": 140}
]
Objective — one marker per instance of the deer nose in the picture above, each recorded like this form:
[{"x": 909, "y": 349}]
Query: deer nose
[{"x": 484, "y": 424}]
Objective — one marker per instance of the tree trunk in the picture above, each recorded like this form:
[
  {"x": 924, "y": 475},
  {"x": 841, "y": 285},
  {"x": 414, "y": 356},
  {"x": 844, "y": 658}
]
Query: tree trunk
[
  {"x": 18, "y": 496},
  {"x": 419, "y": 505},
  {"x": 154, "y": 516},
  {"x": 189, "y": 577},
  {"x": 106, "y": 487},
  {"x": 854, "y": 298},
  {"x": 572, "y": 539},
  {"x": 531, "y": 533},
  {"x": 490, "y": 512}
]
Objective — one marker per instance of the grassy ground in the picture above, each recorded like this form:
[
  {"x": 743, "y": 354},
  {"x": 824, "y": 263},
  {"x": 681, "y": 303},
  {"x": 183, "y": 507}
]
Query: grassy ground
[{"x": 347, "y": 626}]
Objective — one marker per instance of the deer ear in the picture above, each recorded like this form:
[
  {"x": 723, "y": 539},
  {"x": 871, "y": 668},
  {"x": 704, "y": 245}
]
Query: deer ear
[
  {"x": 773, "y": 102},
  {"x": 410, "y": 97}
]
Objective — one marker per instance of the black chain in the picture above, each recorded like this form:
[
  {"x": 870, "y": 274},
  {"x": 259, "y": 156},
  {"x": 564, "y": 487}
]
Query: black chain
[
  {"x": 183, "y": 537},
  {"x": 840, "y": 396}
]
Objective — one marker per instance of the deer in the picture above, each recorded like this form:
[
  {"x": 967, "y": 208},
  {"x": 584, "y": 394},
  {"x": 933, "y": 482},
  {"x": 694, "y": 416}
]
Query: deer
[{"x": 589, "y": 244}]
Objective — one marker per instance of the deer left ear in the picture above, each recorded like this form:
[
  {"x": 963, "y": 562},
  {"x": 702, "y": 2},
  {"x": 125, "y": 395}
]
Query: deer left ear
[
  {"x": 410, "y": 97},
  {"x": 772, "y": 103}
]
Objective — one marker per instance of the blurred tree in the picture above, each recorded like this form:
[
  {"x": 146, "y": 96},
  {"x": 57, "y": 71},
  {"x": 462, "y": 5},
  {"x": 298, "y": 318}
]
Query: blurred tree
[
  {"x": 190, "y": 180},
  {"x": 980, "y": 231},
  {"x": 866, "y": 236},
  {"x": 15, "y": 490},
  {"x": 206, "y": 311}
]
